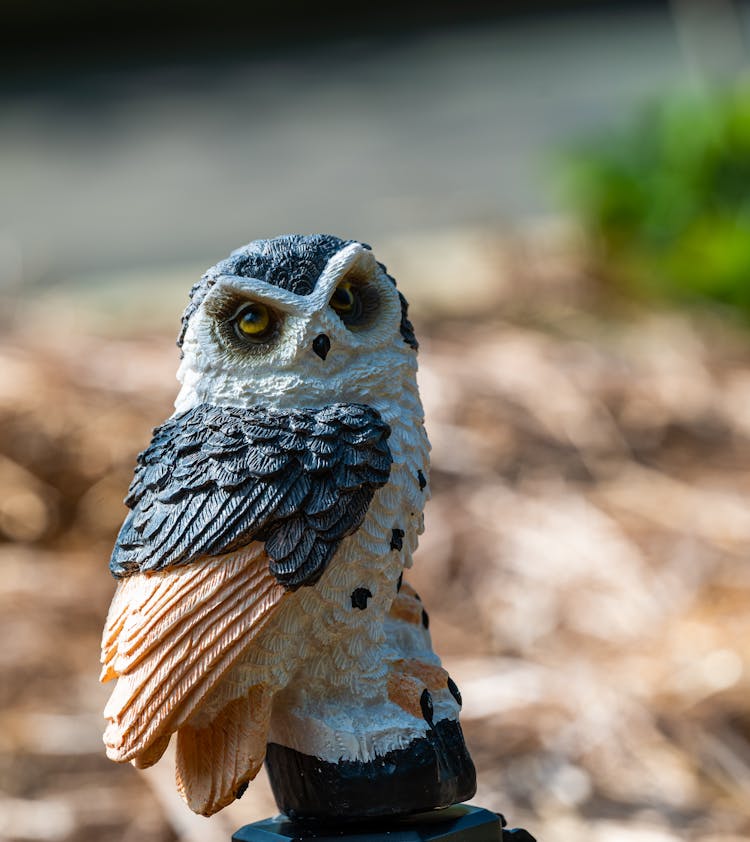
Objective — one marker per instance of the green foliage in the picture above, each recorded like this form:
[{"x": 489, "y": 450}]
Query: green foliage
[{"x": 668, "y": 199}]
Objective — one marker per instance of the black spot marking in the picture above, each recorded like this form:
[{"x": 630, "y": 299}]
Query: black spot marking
[
  {"x": 425, "y": 619},
  {"x": 407, "y": 328},
  {"x": 397, "y": 539},
  {"x": 422, "y": 481},
  {"x": 425, "y": 702},
  {"x": 400, "y": 581},
  {"x": 417, "y": 597},
  {"x": 455, "y": 692},
  {"x": 241, "y": 790},
  {"x": 360, "y": 597}
]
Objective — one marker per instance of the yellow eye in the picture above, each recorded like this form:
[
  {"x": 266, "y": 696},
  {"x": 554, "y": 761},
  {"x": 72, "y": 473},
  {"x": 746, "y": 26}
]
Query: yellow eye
[
  {"x": 253, "y": 321},
  {"x": 343, "y": 299}
]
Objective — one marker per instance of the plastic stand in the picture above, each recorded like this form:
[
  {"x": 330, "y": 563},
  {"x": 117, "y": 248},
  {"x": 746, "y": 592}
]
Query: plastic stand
[{"x": 461, "y": 823}]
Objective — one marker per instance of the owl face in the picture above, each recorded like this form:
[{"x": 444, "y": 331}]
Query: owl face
[{"x": 251, "y": 340}]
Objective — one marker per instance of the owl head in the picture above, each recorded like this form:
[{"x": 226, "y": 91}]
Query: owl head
[{"x": 295, "y": 320}]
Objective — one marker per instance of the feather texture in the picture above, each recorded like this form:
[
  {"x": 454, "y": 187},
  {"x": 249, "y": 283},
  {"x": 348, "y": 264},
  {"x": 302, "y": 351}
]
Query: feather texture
[
  {"x": 215, "y": 478},
  {"x": 214, "y": 761},
  {"x": 178, "y": 634}
]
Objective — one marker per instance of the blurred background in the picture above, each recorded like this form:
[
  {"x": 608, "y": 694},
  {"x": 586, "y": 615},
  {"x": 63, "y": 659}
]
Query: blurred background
[{"x": 563, "y": 192}]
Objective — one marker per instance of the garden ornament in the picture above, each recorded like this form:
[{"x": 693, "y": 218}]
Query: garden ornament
[{"x": 261, "y": 612}]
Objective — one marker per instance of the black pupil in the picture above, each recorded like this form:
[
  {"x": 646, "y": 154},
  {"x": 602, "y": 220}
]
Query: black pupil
[
  {"x": 343, "y": 298},
  {"x": 251, "y": 316}
]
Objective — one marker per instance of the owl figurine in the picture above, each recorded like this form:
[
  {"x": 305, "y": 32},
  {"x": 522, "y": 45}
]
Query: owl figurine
[{"x": 260, "y": 612}]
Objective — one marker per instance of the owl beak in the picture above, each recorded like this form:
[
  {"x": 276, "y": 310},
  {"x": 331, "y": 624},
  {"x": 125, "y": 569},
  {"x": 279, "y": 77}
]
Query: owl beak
[{"x": 321, "y": 345}]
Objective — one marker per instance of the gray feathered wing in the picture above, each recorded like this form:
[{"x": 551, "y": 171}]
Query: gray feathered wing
[{"x": 216, "y": 478}]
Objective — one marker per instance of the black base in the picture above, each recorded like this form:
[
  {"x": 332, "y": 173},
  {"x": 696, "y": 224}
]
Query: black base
[
  {"x": 461, "y": 823},
  {"x": 431, "y": 772}
]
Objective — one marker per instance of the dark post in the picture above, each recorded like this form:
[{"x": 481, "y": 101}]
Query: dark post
[{"x": 461, "y": 823}]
